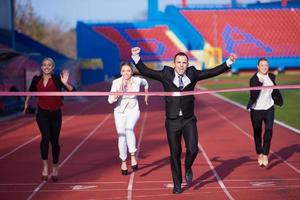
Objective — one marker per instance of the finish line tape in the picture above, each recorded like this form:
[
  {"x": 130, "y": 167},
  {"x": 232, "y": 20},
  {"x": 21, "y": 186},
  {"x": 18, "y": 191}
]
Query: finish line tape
[{"x": 186, "y": 93}]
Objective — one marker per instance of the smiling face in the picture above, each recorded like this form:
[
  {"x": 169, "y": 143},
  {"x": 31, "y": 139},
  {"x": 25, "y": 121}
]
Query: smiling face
[
  {"x": 181, "y": 63},
  {"x": 263, "y": 67},
  {"x": 47, "y": 66},
  {"x": 126, "y": 72}
]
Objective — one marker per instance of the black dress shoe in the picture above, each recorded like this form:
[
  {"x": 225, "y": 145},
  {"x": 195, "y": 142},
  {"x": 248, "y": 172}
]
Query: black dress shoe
[
  {"x": 54, "y": 178},
  {"x": 124, "y": 172},
  {"x": 189, "y": 176},
  {"x": 44, "y": 178},
  {"x": 177, "y": 190},
  {"x": 134, "y": 167}
]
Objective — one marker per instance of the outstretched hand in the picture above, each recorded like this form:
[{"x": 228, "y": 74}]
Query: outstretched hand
[
  {"x": 64, "y": 76},
  {"x": 25, "y": 107},
  {"x": 146, "y": 99},
  {"x": 233, "y": 57},
  {"x": 135, "y": 51}
]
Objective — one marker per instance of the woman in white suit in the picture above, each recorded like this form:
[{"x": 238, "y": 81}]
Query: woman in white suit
[{"x": 127, "y": 113}]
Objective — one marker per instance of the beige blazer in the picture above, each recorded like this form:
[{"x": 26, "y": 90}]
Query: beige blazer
[{"x": 127, "y": 102}]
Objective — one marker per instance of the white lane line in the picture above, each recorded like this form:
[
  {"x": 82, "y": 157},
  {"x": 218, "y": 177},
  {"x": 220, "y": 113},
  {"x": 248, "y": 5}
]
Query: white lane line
[
  {"x": 130, "y": 184},
  {"x": 244, "y": 108},
  {"x": 220, "y": 182},
  {"x": 147, "y": 182},
  {"x": 70, "y": 155},
  {"x": 19, "y": 147},
  {"x": 250, "y": 137},
  {"x": 215, "y": 189},
  {"x": 83, "y": 187},
  {"x": 36, "y": 137},
  {"x": 16, "y": 125}
]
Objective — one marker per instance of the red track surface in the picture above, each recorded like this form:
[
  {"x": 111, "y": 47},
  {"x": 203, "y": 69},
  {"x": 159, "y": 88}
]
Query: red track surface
[{"x": 226, "y": 167}]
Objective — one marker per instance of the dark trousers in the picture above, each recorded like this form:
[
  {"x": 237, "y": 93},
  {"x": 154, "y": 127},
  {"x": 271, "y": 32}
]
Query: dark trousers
[
  {"x": 49, "y": 123},
  {"x": 175, "y": 129},
  {"x": 257, "y": 119}
]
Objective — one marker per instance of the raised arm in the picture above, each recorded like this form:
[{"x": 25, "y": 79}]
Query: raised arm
[
  {"x": 217, "y": 70},
  {"x": 143, "y": 69},
  {"x": 64, "y": 77}
]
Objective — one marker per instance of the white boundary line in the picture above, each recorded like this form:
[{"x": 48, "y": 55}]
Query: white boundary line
[
  {"x": 183, "y": 195},
  {"x": 19, "y": 147},
  {"x": 147, "y": 182},
  {"x": 36, "y": 137},
  {"x": 186, "y": 195},
  {"x": 215, "y": 173},
  {"x": 163, "y": 189},
  {"x": 16, "y": 125},
  {"x": 244, "y": 108},
  {"x": 249, "y": 136},
  {"x": 10, "y": 117},
  {"x": 130, "y": 184},
  {"x": 36, "y": 190}
]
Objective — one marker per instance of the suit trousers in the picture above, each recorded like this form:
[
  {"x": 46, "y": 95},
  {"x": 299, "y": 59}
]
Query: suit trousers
[
  {"x": 125, "y": 123},
  {"x": 49, "y": 123},
  {"x": 257, "y": 119},
  {"x": 176, "y": 128}
]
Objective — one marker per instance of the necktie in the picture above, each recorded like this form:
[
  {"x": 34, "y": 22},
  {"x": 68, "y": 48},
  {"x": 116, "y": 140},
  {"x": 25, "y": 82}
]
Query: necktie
[{"x": 180, "y": 82}]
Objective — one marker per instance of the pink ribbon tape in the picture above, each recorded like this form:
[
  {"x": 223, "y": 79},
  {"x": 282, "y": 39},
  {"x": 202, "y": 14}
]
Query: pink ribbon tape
[{"x": 195, "y": 92}]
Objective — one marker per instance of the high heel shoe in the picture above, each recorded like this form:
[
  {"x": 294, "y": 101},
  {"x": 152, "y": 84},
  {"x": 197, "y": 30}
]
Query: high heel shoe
[
  {"x": 54, "y": 178},
  {"x": 265, "y": 161},
  {"x": 124, "y": 172},
  {"x": 44, "y": 178},
  {"x": 135, "y": 167},
  {"x": 260, "y": 160}
]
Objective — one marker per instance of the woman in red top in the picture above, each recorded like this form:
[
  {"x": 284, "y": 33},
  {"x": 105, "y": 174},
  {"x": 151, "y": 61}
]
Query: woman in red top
[{"x": 49, "y": 117}]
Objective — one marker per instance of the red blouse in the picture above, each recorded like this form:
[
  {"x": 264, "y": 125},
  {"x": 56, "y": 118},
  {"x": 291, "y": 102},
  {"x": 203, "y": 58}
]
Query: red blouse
[{"x": 48, "y": 102}]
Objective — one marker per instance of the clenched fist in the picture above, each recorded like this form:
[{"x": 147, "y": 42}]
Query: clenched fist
[
  {"x": 135, "y": 51},
  {"x": 233, "y": 57}
]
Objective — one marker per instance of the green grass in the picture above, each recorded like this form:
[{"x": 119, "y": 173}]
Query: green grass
[{"x": 289, "y": 113}]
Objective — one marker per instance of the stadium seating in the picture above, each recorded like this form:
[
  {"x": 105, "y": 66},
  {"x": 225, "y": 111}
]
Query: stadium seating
[
  {"x": 249, "y": 32},
  {"x": 155, "y": 43}
]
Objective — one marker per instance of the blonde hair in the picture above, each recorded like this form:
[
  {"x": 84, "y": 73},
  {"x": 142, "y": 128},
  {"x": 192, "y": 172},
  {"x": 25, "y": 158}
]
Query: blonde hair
[{"x": 49, "y": 59}]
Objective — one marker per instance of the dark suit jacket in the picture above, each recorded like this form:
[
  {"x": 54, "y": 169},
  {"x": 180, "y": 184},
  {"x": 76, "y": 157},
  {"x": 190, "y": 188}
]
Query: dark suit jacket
[
  {"x": 254, "y": 82},
  {"x": 166, "y": 77}
]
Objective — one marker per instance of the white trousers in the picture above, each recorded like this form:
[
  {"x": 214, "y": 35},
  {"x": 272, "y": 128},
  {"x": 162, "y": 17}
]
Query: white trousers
[{"x": 125, "y": 123}]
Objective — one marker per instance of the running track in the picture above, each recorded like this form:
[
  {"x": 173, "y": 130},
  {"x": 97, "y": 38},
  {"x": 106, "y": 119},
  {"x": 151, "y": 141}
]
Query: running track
[{"x": 226, "y": 167}]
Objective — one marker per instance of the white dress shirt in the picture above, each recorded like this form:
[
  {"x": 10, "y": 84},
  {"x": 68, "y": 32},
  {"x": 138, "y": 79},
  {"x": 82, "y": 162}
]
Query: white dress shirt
[
  {"x": 127, "y": 102},
  {"x": 264, "y": 100},
  {"x": 185, "y": 79}
]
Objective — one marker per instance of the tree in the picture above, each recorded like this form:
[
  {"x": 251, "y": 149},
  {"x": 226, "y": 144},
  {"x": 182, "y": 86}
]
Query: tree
[{"x": 52, "y": 35}]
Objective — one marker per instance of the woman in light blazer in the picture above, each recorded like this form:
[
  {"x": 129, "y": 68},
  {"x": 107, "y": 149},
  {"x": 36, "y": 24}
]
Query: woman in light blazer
[
  {"x": 261, "y": 103},
  {"x": 127, "y": 113}
]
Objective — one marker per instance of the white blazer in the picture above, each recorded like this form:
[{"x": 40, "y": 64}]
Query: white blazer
[{"x": 127, "y": 102}]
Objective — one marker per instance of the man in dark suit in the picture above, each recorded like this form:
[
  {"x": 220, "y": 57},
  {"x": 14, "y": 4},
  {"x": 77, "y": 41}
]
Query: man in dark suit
[{"x": 180, "y": 118}]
